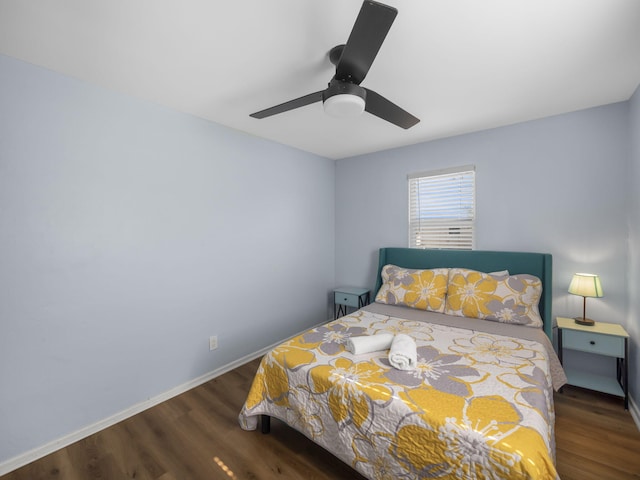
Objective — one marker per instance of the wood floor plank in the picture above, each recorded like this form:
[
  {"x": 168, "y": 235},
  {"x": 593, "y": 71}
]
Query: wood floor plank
[
  {"x": 196, "y": 436},
  {"x": 131, "y": 456}
]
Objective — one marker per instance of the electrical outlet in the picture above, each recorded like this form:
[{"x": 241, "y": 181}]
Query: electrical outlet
[{"x": 213, "y": 342}]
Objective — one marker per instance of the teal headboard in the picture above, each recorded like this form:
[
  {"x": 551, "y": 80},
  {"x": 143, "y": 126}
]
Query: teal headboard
[{"x": 538, "y": 264}]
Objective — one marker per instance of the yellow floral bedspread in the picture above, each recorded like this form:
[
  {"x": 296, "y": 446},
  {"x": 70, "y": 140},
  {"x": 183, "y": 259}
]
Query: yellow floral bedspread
[{"x": 478, "y": 406}]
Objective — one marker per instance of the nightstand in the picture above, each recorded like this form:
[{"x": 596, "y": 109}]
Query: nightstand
[
  {"x": 349, "y": 297},
  {"x": 608, "y": 339}
]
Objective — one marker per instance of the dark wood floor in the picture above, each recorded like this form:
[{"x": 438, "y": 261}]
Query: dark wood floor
[{"x": 196, "y": 436}]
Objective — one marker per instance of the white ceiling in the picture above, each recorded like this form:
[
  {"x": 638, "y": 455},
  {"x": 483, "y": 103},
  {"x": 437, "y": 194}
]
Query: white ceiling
[{"x": 458, "y": 65}]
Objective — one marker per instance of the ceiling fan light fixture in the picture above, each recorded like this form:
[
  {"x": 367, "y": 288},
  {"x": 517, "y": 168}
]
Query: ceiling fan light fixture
[
  {"x": 343, "y": 99},
  {"x": 345, "y": 105}
]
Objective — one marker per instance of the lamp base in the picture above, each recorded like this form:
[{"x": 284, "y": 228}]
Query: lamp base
[{"x": 584, "y": 321}]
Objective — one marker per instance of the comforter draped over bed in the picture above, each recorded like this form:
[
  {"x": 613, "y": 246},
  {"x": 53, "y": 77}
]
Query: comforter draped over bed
[{"x": 478, "y": 405}]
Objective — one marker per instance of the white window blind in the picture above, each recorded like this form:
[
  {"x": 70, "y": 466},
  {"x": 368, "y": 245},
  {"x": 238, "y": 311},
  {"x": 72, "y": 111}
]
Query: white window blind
[{"x": 442, "y": 208}]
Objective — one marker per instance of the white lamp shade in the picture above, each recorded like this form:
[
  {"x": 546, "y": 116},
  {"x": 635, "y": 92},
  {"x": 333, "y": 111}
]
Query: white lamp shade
[
  {"x": 586, "y": 285},
  {"x": 344, "y": 105}
]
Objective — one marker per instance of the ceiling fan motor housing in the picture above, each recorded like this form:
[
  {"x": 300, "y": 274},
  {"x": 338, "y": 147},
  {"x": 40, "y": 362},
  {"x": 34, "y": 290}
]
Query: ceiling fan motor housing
[{"x": 343, "y": 99}]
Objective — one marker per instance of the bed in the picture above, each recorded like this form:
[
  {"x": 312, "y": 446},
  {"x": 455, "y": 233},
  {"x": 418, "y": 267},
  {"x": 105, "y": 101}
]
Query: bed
[{"x": 479, "y": 401}]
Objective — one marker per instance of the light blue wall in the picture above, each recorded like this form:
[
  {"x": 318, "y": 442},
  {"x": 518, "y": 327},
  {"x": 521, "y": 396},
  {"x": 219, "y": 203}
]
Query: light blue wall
[
  {"x": 130, "y": 233},
  {"x": 554, "y": 185},
  {"x": 125, "y": 240},
  {"x": 633, "y": 323}
]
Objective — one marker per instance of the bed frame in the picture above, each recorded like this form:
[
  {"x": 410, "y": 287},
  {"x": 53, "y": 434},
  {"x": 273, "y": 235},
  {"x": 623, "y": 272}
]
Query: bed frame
[{"x": 538, "y": 264}]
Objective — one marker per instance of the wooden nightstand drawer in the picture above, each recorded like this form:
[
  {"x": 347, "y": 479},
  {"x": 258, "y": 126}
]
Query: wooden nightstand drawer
[
  {"x": 593, "y": 342},
  {"x": 348, "y": 299}
]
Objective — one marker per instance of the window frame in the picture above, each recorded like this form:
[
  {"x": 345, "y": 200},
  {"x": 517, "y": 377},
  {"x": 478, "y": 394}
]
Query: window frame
[{"x": 461, "y": 217}]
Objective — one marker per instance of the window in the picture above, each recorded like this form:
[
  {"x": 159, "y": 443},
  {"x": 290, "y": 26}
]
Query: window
[{"x": 442, "y": 208}]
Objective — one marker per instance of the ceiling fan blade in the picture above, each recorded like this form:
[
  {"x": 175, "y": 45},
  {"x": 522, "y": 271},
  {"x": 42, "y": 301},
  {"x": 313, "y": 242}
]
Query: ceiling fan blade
[
  {"x": 366, "y": 38},
  {"x": 290, "y": 105},
  {"x": 381, "y": 107}
]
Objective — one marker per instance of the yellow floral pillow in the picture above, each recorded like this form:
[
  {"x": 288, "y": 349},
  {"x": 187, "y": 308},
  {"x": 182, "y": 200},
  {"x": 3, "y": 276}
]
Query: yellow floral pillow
[
  {"x": 421, "y": 289},
  {"x": 507, "y": 299}
]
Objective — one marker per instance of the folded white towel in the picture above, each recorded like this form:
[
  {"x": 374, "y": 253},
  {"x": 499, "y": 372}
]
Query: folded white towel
[
  {"x": 369, "y": 343},
  {"x": 402, "y": 354}
]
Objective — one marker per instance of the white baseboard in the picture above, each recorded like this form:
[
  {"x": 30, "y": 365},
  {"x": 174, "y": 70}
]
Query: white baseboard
[
  {"x": 39, "y": 452},
  {"x": 66, "y": 440},
  {"x": 635, "y": 413},
  {"x": 44, "y": 450}
]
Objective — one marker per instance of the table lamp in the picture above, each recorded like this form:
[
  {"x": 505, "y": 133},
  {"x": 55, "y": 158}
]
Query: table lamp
[{"x": 585, "y": 285}]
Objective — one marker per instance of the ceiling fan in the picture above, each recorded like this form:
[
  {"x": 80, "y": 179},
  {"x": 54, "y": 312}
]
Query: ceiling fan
[{"x": 344, "y": 96}]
